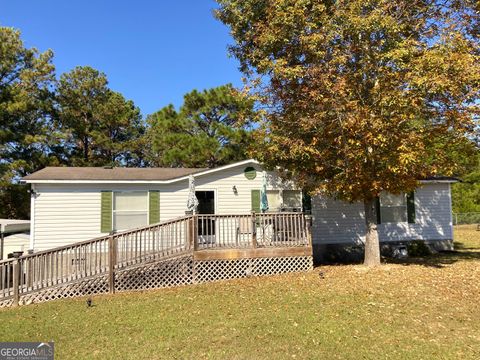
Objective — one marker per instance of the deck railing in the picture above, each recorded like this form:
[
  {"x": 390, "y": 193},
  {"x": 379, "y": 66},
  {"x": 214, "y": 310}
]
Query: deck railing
[
  {"x": 105, "y": 255},
  {"x": 252, "y": 230}
]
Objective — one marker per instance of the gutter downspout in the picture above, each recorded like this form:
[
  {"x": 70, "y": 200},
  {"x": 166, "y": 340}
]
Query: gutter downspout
[{"x": 32, "y": 218}]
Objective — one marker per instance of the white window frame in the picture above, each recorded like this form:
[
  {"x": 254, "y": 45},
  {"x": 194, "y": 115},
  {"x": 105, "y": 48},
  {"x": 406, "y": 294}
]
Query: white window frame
[
  {"x": 114, "y": 211},
  {"x": 282, "y": 201},
  {"x": 301, "y": 199},
  {"x": 215, "y": 202},
  {"x": 404, "y": 206}
]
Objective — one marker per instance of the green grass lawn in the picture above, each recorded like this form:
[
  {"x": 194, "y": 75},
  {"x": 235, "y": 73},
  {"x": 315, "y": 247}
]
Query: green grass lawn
[{"x": 421, "y": 309}]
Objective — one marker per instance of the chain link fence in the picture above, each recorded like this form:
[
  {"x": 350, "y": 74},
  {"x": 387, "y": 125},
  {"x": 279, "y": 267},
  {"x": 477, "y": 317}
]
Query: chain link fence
[{"x": 466, "y": 218}]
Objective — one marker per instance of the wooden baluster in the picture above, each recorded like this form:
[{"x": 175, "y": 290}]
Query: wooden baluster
[
  {"x": 111, "y": 264},
  {"x": 191, "y": 229},
  {"x": 153, "y": 234},
  {"x": 297, "y": 231}
]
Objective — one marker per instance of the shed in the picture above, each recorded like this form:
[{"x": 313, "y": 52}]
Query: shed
[{"x": 9, "y": 227}]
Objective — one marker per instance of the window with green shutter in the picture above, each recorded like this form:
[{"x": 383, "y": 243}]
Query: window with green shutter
[
  {"x": 256, "y": 200},
  {"x": 393, "y": 208},
  {"x": 106, "y": 212},
  {"x": 153, "y": 207}
]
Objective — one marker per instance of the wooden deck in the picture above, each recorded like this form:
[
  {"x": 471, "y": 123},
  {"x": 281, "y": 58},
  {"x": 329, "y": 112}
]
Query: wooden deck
[
  {"x": 230, "y": 254},
  {"x": 186, "y": 250}
]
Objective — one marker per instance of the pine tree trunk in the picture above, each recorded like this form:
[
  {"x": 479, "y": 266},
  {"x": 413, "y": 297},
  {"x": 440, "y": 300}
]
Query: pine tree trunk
[{"x": 372, "y": 244}]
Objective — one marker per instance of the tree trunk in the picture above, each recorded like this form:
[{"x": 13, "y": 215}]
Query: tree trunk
[{"x": 372, "y": 244}]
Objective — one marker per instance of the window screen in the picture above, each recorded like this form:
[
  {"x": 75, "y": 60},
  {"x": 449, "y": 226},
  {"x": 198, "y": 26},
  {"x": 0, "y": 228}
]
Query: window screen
[
  {"x": 274, "y": 200},
  {"x": 130, "y": 210},
  {"x": 292, "y": 199},
  {"x": 393, "y": 208}
]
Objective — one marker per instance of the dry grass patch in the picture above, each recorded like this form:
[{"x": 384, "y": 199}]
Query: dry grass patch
[{"x": 421, "y": 309}]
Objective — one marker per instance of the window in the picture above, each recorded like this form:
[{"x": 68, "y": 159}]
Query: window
[
  {"x": 393, "y": 208},
  {"x": 274, "y": 200},
  {"x": 130, "y": 209},
  {"x": 292, "y": 199},
  {"x": 286, "y": 199}
]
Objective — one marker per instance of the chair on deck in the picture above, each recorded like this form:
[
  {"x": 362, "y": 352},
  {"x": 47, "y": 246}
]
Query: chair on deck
[{"x": 244, "y": 227}]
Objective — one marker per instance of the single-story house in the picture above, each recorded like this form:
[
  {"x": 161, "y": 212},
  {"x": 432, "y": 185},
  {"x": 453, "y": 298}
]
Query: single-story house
[{"x": 75, "y": 204}]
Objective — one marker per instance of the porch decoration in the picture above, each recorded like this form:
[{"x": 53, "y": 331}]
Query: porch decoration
[{"x": 192, "y": 201}]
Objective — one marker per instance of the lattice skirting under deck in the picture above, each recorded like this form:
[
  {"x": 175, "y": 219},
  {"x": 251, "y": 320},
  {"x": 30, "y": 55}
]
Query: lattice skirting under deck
[
  {"x": 184, "y": 271},
  {"x": 6, "y": 302},
  {"x": 92, "y": 286},
  {"x": 166, "y": 273},
  {"x": 177, "y": 271},
  {"x": 212, "y": 270}
]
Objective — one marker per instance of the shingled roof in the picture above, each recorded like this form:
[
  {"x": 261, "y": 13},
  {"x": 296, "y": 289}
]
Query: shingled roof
[{"x": 106, "y": 173}]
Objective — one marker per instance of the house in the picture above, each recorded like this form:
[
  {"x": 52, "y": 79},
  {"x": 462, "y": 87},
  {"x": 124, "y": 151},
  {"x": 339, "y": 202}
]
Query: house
[{"x": 74, "y": 204}]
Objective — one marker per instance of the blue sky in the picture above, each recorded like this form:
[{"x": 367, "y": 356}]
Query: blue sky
[{"x": 153, "y": 52}]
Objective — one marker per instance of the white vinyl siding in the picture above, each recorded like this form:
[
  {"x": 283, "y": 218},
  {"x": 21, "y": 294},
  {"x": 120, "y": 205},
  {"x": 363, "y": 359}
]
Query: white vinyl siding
[
  {"x": 64, "y": 215},
  {"x": 337, "y": 222}
]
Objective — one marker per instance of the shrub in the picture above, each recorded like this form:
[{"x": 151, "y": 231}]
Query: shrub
[{"x": 418, "y": 248}]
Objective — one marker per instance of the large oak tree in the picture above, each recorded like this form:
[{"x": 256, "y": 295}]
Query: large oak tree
[{"x": 361, "y": 96}]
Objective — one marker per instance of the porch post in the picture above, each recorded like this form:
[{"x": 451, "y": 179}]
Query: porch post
[
  {"x": 190, "y": 240},
  {"x": 195, "y": 232},
  {"x": 111, "y": 264},
  {"x": 16, "y": 283},
  {"x": 1, "y": 244},
  {"x": 254, "y": 230},
  {"x": 308, "y": 225}
]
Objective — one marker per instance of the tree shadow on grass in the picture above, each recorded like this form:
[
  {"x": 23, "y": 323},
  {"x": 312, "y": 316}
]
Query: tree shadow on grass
[
  {"x": 353, "y": 255},
  {"x": 442, "y": 258}
]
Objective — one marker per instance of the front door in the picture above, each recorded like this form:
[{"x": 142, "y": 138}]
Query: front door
[
  {"x": 206, "y": 225},
  {"x": 206, "y": 202}
]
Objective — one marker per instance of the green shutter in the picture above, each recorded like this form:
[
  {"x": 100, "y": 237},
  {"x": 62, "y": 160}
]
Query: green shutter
[
  {"x": 377, "y": 210},
  {"x": 256, "y": 200},
  {"x": 154, "y": 207},
  {"x": 411, "y": 207},
  {"x": 106, "y": 212}
]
